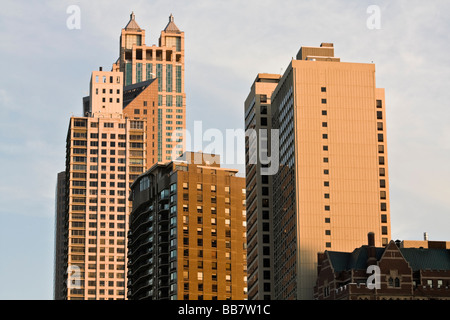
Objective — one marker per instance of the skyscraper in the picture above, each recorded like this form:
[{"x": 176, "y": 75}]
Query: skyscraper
[
  {"x": 116, "y": 139},
  {"x": 165, "y": 62},
  {"x": 258, "y": 116},
  {"x": 106, "y": 150},
  {"x": 187, "y": 232},
  {"x": 331, "y": 188}
]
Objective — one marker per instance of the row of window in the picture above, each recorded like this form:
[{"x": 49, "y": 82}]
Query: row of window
[{"x": 326, "y": 171}]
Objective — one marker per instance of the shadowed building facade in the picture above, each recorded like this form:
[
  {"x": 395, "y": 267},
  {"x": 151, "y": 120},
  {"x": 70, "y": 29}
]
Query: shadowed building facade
[{"x": 258, "y": 117}]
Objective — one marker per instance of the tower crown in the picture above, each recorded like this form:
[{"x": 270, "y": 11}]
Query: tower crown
[
  {"x": 132, "y": 24},
  {"x": 171, "y": 26}
]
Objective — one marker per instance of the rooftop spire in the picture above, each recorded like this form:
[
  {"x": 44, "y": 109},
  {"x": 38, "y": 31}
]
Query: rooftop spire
[
  {"x": 171, "y": 27},
  {"x": 132, "y": 25}
]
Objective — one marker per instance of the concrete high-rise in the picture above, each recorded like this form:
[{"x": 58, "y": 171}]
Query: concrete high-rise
[
  {"x": 258, "y": 116},
  {"x": 331, "y": 188},
  {"x": 187, "y": 238},
  {"x": 165, "y": 62},
  {"x": 106, "y": 150}
]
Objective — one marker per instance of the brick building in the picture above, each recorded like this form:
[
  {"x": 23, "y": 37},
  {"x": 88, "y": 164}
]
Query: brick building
[{"x": 405, "y": 273}]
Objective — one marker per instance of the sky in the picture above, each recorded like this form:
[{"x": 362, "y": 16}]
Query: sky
[{"x": 46, "y": 69}]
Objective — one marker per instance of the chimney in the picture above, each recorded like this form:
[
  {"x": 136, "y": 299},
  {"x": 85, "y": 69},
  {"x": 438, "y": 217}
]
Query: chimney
[
  {"x": 100, "y": 69},
  {"x": 425, "y": 236},
  {"x": 371, "y": 251}
]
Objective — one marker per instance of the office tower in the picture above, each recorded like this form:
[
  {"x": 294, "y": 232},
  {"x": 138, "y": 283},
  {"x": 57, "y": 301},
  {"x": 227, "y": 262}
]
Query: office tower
[
  {"x": 331, "y": 188},
  {"x": 187, "y": 237},
  {"x": 59, "y": 232},
  {"x": 258, "y": 116},
  {"x": 106, "y": 150},
  {"x": 165, "y": 62}
]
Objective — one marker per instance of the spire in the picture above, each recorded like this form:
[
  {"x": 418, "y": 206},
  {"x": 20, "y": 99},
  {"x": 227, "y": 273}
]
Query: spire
[
  {"x": 171, "y": 27},
  {"x": 132, "y": 25}
]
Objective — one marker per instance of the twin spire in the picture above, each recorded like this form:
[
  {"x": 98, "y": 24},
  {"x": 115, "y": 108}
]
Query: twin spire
[{"x": 170, "y": 28}]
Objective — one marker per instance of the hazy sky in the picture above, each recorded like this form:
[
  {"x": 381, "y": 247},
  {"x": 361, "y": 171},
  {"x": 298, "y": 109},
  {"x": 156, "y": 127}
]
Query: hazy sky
[{"x": 46, "y": 71}]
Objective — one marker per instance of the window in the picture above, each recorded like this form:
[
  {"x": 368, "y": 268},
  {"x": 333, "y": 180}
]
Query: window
[
  {"x": 323, "y": 89},
  {"x": 324, "y": 124},
  {"x": 324, "y": 101},
  {"x": 380, "y": 126},
  {"x": 380, "y": 137},
  {"x": 324, "y": 112},
  {"x": 379, "y": 103},
  {"x": 324, "y": 136},
  {"x": 380, "y": 115},
  {"x": 263, "y": 110}
]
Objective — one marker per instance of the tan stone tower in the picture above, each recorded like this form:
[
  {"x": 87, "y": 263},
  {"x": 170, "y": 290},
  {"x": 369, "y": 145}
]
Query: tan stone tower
[{"x": 165, "y": 62}]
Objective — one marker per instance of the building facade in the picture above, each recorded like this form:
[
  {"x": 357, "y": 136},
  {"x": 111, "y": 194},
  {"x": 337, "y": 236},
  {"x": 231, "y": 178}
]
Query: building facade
[
  {"x": 187, "y": 238},
  {"x": 107, "y": 149},
  {"x": 165, "y": 62},
  {"x": 331, "y": 187},
  {"x": 258, "y": 116},
  {"x": 405, "y": 273},
  {"x": 59, "y": 272}
]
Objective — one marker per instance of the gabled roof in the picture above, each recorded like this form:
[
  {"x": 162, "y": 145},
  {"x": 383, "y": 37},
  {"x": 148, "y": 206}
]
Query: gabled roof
[
  {"x": 132, "y": 24},
  {"x": 171, "y": 27},
  {"x": 357, "y": 259},
  {"x": 421, "y": 259},
  {"x": 131, "y": 91},
  {"x": 418, "y": 258}
]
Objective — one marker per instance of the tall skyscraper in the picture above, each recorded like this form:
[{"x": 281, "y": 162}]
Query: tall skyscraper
[
  {"x": 187, "y": 237},
  {"x": 118, "y": 137},
  {"x": 165, "y": 62},
  {"x": 258, "y": 116},
  {"x": 331, "y": 188},
  {"x": 106, "y": 150}
]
